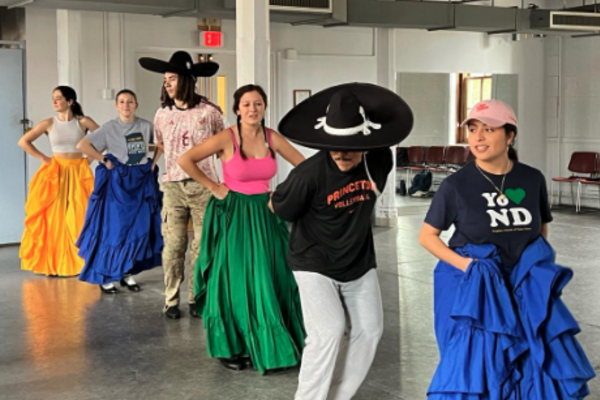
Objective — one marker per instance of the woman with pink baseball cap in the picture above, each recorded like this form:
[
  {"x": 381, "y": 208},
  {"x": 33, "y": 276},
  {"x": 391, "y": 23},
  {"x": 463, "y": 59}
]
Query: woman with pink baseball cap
[{"x": 501, "y": 326}]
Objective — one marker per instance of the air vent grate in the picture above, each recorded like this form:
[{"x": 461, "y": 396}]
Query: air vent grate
[
  {"x": 575, "y": 21},
  {"x": 323, "y": 6},
  {"x": 301, "y": 3}
]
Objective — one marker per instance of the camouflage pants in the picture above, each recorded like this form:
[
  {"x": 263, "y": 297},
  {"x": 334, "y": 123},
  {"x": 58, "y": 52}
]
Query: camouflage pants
[{"x": 182, "y": 201}]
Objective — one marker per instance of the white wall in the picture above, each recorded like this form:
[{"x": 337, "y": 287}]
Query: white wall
[
  {"x": 572, "y": 105},
  {"x": 326, "y": 57},
  {"x": 429, "y": 97},
  {"x": 453, "y": 52},
  {"x": 42, "y": 72}
]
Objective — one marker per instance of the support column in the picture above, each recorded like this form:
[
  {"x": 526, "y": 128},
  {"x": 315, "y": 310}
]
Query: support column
[
  {"x": 253, "y": 44},
  {"x": 386, "y": 211},
  {"x": 68, "y": 28}
]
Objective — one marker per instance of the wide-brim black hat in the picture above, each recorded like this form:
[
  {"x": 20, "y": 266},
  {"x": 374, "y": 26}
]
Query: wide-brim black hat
[
  {"x": 351, "y": 117},
  {"x": 180, "y": 63}
]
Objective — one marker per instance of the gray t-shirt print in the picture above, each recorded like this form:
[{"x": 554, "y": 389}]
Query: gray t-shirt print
[{"x": 127, "y": 142}]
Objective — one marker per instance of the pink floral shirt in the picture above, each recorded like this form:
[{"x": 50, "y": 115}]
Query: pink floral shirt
[{"x": 180, "y": 130}]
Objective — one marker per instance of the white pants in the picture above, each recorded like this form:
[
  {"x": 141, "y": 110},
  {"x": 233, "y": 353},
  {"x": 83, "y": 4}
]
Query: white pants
[{"x": 331, "y": 309}]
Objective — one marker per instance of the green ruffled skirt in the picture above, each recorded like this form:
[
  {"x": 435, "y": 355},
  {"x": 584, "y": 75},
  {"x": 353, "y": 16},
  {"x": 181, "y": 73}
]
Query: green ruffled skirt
[{"x": 244, "y": 290}]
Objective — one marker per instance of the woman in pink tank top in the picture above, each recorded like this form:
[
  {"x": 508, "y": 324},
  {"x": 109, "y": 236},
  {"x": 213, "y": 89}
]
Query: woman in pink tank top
[{"x": 243, "y": 287}]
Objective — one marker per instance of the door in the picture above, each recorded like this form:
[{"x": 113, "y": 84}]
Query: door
[{"x": 12, "y": 158}]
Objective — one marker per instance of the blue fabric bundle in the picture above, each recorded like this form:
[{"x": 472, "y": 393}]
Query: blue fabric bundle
[
  {"x": 121, "y": 234},
  {"x": 505, "y": 339}
]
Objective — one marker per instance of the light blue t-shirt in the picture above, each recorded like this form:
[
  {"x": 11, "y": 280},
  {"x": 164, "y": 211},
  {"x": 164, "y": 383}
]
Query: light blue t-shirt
[{"x": 127, "y": 142}]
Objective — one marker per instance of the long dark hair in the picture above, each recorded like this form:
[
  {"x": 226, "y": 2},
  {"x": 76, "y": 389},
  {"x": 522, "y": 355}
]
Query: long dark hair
[
  {"x": 186, "y": 92},
  {"x": 512, "y": 153},
  {"x": 69, "y": 94},
  {"x": 237, "y": 97}
]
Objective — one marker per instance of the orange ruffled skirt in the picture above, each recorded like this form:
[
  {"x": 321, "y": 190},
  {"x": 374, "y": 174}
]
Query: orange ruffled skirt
[{"x": 54, "y": 215}]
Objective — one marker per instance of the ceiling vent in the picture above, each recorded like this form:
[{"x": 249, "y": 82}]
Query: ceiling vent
[
  {"x": 565, "y": 21},
  {"x": 302, "y": 6}
]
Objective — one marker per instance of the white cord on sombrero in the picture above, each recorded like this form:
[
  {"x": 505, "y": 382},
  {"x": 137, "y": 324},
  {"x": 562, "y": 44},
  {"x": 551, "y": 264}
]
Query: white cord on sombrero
[
  {"x": 364, "y": 127},
  {"x": 188, "y": 65}
]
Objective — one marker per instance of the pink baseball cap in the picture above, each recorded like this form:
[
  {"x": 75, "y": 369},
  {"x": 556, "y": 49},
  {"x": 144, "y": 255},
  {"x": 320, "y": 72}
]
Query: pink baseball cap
[{"x": 494, "y": 113}]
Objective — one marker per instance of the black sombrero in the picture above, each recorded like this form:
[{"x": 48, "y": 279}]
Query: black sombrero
[
  {"x": 180, "y": 63},
  {"x": 352, "y": 117}
]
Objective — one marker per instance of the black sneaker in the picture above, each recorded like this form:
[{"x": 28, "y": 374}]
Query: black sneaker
[
  {"x": 234, "y": 364},
  {"x": 194, "y": 311},
  {"x": 173, "y": 312},
  {"x": 247, "y": 361}
]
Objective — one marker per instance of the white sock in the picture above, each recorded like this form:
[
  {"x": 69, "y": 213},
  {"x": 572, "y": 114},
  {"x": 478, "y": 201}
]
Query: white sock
[
  {"x": 108, "y": 286},
  {"x": 129, "y": 280}
]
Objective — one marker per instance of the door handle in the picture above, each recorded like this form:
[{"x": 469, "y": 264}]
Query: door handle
[{"x": 26, "y": 124}]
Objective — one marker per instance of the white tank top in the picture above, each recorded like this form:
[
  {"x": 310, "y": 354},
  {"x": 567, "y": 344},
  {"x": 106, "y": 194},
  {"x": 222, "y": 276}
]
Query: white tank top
[{"x": 65, "y": 135}]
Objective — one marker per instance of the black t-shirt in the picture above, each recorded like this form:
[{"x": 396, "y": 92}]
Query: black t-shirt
[
  {"x": 331, "y": 214},
  {"x": 471, "y": 203}
]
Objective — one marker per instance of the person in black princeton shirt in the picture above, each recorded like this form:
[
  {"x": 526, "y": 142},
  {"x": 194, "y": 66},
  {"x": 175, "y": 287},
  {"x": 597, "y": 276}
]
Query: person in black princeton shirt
[{"x": 330, "y": 198}]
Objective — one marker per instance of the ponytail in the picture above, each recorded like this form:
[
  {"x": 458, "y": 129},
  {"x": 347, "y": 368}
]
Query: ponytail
[
  {"x": 262, "y": 123},
  {"x": 70, "y": 95},
  {"x": 77, "y": 110},
  {"x": 239, "y": 126}
]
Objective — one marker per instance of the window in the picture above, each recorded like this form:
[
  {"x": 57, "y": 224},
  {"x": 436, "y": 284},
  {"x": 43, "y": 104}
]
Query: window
[{"x": 472, "y": 88}]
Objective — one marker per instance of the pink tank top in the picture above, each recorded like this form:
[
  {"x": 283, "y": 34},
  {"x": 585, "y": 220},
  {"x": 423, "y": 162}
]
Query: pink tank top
[{"x": 249, "y": 176}]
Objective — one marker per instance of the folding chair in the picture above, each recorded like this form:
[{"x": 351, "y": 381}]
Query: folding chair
[
  {"x": 582, "y": 162},
  {"x": 456, "y": 157}
]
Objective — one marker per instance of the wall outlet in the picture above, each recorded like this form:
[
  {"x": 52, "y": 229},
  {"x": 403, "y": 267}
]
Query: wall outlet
[{"x": 108, "y": 94}]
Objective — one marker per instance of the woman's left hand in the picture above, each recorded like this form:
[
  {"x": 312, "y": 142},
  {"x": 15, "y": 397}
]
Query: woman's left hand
[
  {"x": 220, "y": 191},
  {"x": 465, "y": 264}
]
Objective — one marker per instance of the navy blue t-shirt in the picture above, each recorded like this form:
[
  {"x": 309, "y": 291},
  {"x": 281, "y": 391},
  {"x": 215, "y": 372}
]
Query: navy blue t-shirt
[{"x": 471, "y": 203}]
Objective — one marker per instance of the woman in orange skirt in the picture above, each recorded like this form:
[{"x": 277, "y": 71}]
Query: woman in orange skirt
[{"x": 59, "y": 191}]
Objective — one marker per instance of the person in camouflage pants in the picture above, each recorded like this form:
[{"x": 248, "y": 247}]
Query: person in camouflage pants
[
  {"x": 182, "y": 200},
  {"x": 184, "y": 120}
]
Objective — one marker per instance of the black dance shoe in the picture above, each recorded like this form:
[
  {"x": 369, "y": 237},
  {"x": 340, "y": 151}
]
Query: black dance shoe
[
  {"x": 234, "y": 364},
  {"x": 133, "y": 287},
  {"x": 194, "y": 311},
  {"x": 247, "y": 362},
  {"x": 112, "y": 290},
  {"x": 172, "y": 312}
]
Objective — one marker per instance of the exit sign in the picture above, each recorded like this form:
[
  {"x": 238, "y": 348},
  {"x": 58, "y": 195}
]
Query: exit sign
[{"x": 211, "y": 38}]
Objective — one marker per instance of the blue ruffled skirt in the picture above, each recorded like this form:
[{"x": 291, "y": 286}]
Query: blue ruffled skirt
[
  {"x": 506, "y": 339},
  {"x": 121, "y": 234}
]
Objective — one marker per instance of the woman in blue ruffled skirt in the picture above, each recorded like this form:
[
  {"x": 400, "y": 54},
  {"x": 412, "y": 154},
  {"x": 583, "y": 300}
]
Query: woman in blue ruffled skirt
[
  {"x": 502, "y": 329},
  {"x": 121, "y": 236}
]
